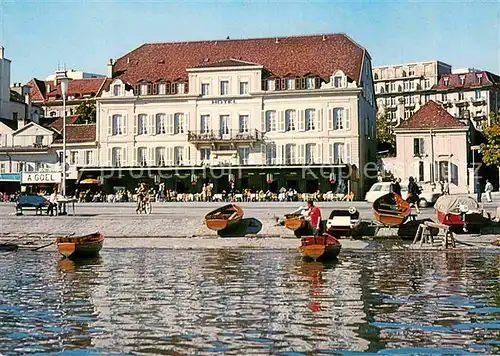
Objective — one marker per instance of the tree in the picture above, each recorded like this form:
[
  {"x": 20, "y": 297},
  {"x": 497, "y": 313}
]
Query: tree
[
  {"x": 491, "y": 149},
  {"x": 86, "y": 113},
  {"x": 386, "y": 139}
]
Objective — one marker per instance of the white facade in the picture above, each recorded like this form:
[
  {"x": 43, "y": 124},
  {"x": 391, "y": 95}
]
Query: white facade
[
  {"x": 226, "y": 118},
  {"x": 4, "y": 85},
  {"x": 76, "y": 74}
]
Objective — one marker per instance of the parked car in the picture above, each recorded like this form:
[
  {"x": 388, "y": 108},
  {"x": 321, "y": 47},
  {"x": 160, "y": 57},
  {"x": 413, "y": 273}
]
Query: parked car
[{"x": 427, "y": 197}]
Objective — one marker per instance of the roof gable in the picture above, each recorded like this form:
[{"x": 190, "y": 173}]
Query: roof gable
[
  {"x": 466, "y": 80},
  {"x": 298, "y": 55},
  {"x": 80, "y": 87},
  {"x": 32, "y": 126},
  {"x": 431, "y": 116},
  {"x": 11, "y": 124}
]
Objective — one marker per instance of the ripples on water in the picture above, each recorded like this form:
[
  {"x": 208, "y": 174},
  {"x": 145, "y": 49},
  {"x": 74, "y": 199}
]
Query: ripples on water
[{"x": 250, "y": 302}]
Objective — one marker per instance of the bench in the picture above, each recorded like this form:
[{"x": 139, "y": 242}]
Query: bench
[{"x": 31, "y": 202}]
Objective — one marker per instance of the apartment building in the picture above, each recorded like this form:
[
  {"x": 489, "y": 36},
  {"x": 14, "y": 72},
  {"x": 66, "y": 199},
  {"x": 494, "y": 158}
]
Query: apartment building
[
  {"x": 297, "y": 112},
  {"x": 402, "y": 88}
]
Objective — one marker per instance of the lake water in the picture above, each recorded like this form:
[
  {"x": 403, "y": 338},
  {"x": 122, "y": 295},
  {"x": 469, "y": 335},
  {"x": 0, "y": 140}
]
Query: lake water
[{"x": 152, "y": 302}]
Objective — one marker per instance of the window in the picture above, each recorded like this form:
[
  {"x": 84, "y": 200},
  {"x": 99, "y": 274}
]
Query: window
[
  {"x": 160, "y": 156},
  {"x": 244, "y": 153},
  {"x": 462, "y": 80},
  {"x": 244, "y": 123},
  {"x": 337, "y": 81},
  {"x": 73, "y": 158},
  {"x": 338, "y": 119},
  {"x": 406, "y": 85},
  {"x": 224, "y": 87},
  {"x": 3, "y": 140},
  {"x": 161, "y": 124},
  {"x": 116, "y": 157},
  {"x": 478, "y": 94},
  {"x": 420, "y": 171},
  {"x": 480, "y": 78},
  {"x": 243, "y": 88},
  {"x": 310, "y": 149},
  {"x": 408, "y": 114},
  {"x": 142, "y": 156},
  {"x": 445, "y": 80},
  {"x": 2, "y": 168},
  {"x": 310, "y": 83},
  {"x": 224, "y": 124},
  {"x": 409, "y": 100},
  {"x": 271, "y": 84},
  {"x": 290, "y": 83},
  {"x": 270, "y": 121},
  {"x": 205, "y": 123},
  {"x": 375, "y": 76},
  {"x": 15, "y": 116},
  {"x": 392, "y": 115},
  {"x": 412, "y": 85},
  {"x": 418, "y": 146},
  {"x": 178, "y": 123},
  {"x": 460, "y": 95},
  {"x": 381, "y": 89},
  {"x": 403, "y": 74},
  {"x": 180, "y": 88},
  {"x": 427, "y": 98},
  {"x": 117, "y": 123},
  {"x": 338, "y": 153},
  {"x": 205, "y": 154},
  {"x": 39, "y": 140},
  {"x": 427, "y": 83},
  {"x": 89, "y": 155},
  {"x": 411, "y": 72},
  {"x": 178, "y": 155},
  {"x": 393, "y": 100},
  {"x": 142, "y": 124},
  {"x": 143, "y": 89},
  {"x": 162, "y": 88},
  {"x": 310, "y": 117},
  {"x": 443, "y": 171},
  {"x": 116, "y": 90},
  {"x": 271, "y": 154},
  {"x": 393, "y": 87},
  {"x": 290, "y": 120},
  {"x": 444, "y": 97},
  {"x": 290, "y": 150},
  {"x": 205, "y": 89}
]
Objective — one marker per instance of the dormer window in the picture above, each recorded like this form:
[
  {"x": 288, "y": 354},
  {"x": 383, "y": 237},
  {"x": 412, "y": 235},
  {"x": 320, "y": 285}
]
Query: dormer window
[
  {"x": 310, "y": 83},
  {"x": 162, "y": 88},
  {"x": 445, "y": 80},
  {"x": 480, "y": 78},
  {"x": 271, "y": 84},
  {"x": 403, "y": 74},
  {"x": 375, "y": 76},
  {"x": 290, "y": 84},
  {"x": 143, "y": 89},
  {"x": 116, "y": 90},
  {"x": 180, "y": 88},
  {"x": 411, "y": 72},
  {"x": 462, "y": 80}
]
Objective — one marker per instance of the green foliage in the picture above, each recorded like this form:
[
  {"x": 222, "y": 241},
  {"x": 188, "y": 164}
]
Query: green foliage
[
  {"x": 386, "y": 139},
  {"x": 86, "y": 113},
  {"x": 491, "y": 149}
]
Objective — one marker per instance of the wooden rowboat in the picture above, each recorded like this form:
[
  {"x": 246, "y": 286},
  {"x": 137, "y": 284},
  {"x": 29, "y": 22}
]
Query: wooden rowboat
[
  {"x": 295, "y": 221},
  {"x": 81, "y": 246},
  {"x": 223, "y": 217},
  {"x": 320, "y": 248},
  {"x": 343, "y": 222},
  {"x": 391, "y": 209}
]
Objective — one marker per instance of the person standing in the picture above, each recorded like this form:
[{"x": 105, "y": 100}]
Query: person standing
[
  {"x": 52, "y": 203},
  {"x": 314, "y": 217},
  {"x": 488, "y": 189},
  {"x": 413, "y": 194},
  {"x": 209, "y": 191},
  {"x": 479, "y": 191},
  {"x": 396, "y": 187},
  {"x": 446, "y": 188},
  {"x": 204, "y": 192}
]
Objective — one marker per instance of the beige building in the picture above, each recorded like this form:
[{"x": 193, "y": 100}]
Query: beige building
[
  {"x": 251, "y": 110},
  {"x": 432, "y": 146}
]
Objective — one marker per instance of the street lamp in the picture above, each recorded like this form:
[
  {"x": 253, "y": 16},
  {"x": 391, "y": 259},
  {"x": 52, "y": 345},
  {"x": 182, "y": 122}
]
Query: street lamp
[{"x": 64, "y": 92}]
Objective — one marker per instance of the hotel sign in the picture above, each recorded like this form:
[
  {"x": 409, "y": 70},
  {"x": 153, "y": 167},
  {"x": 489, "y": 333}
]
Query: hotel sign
[
  {"x": 223, "y": 101},
  {"x": 41, "y": 177}
]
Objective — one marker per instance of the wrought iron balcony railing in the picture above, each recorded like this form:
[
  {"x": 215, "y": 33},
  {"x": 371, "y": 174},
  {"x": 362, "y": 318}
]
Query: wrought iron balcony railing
[{"x": 225, "y": 135}]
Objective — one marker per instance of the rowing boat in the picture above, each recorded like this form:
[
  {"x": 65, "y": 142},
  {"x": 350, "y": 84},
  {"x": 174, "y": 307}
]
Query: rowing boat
[
  {"x": 222, "y": 218},
  {"x": 320, "y": 248},
  {"x": 391, "y": 209},
  {"x": 343, "y": 222},
  {"x": 80, "y": 246},
  {"x": 460, "y": 212}
]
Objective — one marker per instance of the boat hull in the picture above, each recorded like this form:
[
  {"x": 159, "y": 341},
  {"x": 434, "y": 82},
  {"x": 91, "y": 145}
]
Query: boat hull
[
  {"x": 320, "y": 248},
  {"x": 343, "y": 223},
  {"x": 80, "y": 247},
  {"x": 221, "y": 224},
  {"x": 455, "y": 220},
  {"x": 391, "y": 209},
  {"x": 224, "y": 217},
  {"x": 294, "y": 221}
]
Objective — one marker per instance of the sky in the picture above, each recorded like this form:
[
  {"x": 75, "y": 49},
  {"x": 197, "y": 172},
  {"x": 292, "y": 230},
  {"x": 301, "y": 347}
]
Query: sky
[{"x": 84, "y": 34}]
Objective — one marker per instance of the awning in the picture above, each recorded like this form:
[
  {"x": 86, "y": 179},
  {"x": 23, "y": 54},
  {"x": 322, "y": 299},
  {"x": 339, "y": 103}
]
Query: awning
[{"x": 10, "y": 177}]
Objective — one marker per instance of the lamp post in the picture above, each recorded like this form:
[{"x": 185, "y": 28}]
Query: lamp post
[{"x": 64, "y": 91}]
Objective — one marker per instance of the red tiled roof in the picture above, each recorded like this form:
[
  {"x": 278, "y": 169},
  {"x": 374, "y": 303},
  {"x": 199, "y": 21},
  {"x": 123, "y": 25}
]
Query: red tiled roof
[
  {"x": 38, "y": 89},
  {"x": 282, "y": 56},
  {"x": 431, "y": 116},
  {"x": 79, "y": 133},
  {"x": 80, "y": 86},
  {"x": 56, "y": 123},
  {"x": 470, "y": 80}
]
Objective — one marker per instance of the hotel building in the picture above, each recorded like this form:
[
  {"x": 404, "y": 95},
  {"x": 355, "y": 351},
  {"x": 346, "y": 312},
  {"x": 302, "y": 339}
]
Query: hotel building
[{"x": 294, "y": 112}]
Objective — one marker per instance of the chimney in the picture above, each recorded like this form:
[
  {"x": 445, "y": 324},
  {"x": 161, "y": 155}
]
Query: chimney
[
  {"x": 277, "y": 40},
  {"x": 26, "y": 91},
  {"x": 110, "y": 68},
  {"x": 47, "y": 85},
  {"x": 2, "y": 52}
]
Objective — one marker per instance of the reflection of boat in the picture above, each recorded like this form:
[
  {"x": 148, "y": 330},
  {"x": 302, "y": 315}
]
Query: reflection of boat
[
  {"x": 458, "y": 211},
  {"x": 391, "y": 209},
  {"x": 343, "y": 222},
  {"x": 223, "y": 217},
  {"x": 320, "y": 248},
  {"x": 81, "y": 246}
]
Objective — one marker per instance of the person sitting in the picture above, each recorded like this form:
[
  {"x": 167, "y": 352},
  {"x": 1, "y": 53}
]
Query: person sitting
[{"x": 52, "y": 204}]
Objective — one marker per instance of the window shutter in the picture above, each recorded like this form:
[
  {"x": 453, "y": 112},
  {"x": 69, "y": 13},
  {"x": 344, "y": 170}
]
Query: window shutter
[
  {"x": 167, "y": 88},
  {"x": 347, "y": 116},
  {"x": 155, "y": 88},
  {"x": 347, "y": 153},
  {"x": 125, "y": 124},
  {"x": 152, "y": 124},
  {"x": 124, "y": 161},
  {"x": 279, "y": 154},
  {"x": 277, "y": 85},
  {"x": 136, "y": 156},
  {"x": 319, "y": 119},
  {"x": 330, "y": 119},
  {"x": 152, "y": 158},
  {"x": 416, "y": 169},
  {"x": 281, "y": 121},
  {"x": 303, "y": 84},
  {"x": 317, "y": 82},
  {"x": 422, "y": 145},
  {"x": 330, "y": 153},
  {"x": 301, "y": 120},
  {"x": 302, "y": 154},
  {"x": 136, "y": 123},
  {"x": 187, "y": 122},
  {"x": 187, "y": 158},
  {"x": 319, "y": 153},
  {"x": 283, "y": 84},
  {"x": 186, "y": 87},
  {"x": 136, "y": 89},
  {"x": 169, "y": 151},
  {"x": 110, "y": 157},
  {"x": 173, "y": 88},
  {"x": 298, "y": 83},
  {"x": 150, "y": 88},
  {"x": 170, "y": 124},
  {"x": 263, "y": 121},
  {"x": 110, "y": 125}
]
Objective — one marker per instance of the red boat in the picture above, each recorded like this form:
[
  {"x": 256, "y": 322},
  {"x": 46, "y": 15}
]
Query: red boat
[
  {"x": 461, "y": 212},
  {"x": 320, "y": 248}
]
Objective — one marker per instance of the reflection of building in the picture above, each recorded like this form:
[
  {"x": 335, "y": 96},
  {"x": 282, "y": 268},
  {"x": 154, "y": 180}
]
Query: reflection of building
[
  {"x": 433, "y": 146},
  {"x": 259, "y": 106}
]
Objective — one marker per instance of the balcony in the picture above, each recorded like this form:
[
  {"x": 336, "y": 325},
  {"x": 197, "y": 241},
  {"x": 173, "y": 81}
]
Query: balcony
[
  {"x": 478, "y": 101},
  {"x": 232, "y": 136},
  {"x": 410, "y": 105},
  {"x": 461, "y": 102}
]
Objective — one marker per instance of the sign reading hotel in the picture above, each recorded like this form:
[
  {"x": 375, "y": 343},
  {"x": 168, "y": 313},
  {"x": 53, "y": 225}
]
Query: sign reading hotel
[
  {"x": 223, "y": 101},
  {"x": 41, "y": 177}
]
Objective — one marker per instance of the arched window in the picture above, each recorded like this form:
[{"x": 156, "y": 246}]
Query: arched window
[{"x": 375, "y": 76}]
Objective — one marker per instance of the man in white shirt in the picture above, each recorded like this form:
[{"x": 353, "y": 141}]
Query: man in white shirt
[
  {"x": 52, "y": 203},
  {"x": 488, "y": 189}
]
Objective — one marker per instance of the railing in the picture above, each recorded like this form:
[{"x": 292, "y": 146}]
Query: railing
[{"x": 225, "y": 135}]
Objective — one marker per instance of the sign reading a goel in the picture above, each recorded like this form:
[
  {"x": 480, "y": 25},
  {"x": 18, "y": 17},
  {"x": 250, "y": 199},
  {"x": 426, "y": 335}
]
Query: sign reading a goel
[{"x": 41, "y": 177}]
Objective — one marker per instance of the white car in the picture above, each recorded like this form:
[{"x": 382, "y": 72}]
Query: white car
[{"x": 427, "y": 198}]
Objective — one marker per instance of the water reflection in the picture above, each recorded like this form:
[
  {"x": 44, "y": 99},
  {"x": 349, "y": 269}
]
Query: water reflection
[{"x": 250, "y": 302}]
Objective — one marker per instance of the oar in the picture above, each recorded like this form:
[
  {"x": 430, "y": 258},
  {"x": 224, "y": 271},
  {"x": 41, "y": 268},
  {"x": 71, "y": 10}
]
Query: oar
[
  {"x": 465, "y": 243},
  {"x": 40, "y": 247}
]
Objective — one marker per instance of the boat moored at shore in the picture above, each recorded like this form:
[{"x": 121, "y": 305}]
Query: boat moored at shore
[
  {"x": 224, "y": 217},
  {"x": 80, "y": 246}
]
